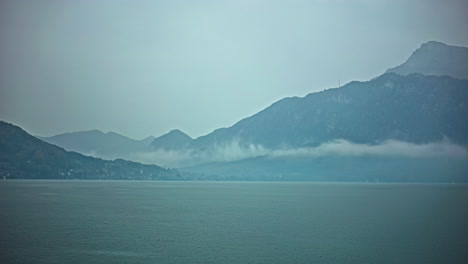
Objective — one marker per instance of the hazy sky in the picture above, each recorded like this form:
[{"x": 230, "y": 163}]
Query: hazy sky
[{"x": 143, "y": 68}]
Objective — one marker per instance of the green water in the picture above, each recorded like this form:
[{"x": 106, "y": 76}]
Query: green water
[{"x": 226, "y": 222}]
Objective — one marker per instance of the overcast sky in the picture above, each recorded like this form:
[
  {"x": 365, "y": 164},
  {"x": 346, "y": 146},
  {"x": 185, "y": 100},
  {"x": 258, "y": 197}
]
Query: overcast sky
[{"x": 142, "y": 68}]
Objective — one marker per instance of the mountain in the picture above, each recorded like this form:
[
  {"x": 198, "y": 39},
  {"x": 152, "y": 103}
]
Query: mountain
[
  {"x": 174, "y": 140},
  {"x": 103, "y": 145},
  {"x": 407, "y": 125},
  {"x": 23, "y": 156},
  {"x": 436, "y": 58},
  {"x": 419, "y": 102},
  {"x": 147, "y": 141},
  {"x": 414, "y": 108},
  {"x": 336, "y": 168}
]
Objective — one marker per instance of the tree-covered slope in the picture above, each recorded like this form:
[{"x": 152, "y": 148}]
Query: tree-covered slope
[
  {"x": 23, "y": 156},
  {"x": 414, "y": 108}
]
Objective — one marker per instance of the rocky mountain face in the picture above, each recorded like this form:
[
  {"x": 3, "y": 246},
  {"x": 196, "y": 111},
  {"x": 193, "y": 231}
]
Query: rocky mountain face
[{"x": 436, "y": 58}]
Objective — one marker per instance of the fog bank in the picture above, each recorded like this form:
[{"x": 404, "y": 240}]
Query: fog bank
[{"x": 236, "y": 151}]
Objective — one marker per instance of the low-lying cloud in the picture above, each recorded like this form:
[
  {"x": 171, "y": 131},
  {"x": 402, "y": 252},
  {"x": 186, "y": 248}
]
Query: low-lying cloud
[
  {"x": 388, "y": 148},
  {"x": 236, "y": 151},
  {"x": 231, "y": 151}
]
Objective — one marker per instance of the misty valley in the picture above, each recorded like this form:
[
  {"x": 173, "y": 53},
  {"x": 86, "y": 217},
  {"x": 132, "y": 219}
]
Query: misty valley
[
  {"x": 210, "y": 132},
  {"x": 407, "y": 125},
  {"x": 300, "y": 181}
]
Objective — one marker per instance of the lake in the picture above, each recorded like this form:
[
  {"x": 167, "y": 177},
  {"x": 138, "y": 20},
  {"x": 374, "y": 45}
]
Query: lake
[{"x": 232, "y": 222}]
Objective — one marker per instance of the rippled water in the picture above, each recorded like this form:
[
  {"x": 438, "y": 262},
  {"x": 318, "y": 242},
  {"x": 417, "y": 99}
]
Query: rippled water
[{"x": 227, "y": 222}]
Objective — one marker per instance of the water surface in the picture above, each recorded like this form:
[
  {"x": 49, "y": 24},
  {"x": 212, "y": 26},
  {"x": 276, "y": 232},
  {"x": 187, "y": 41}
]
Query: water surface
[{"x": 232, "y": 222}]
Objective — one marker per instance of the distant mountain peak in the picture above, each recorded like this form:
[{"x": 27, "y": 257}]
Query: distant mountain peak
[
  {"x": 413, "y": 108},
  {"x": 149, "y": 138},
  {"x": 436, "y": 58},
  {"x": 173, "y": 140},
  {"x": 433, "y": 43},
  {"x": 177, "y": 132},
  {"x": 108, "y": 145}
]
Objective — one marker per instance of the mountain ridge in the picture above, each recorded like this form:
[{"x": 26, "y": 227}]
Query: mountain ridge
[
  {"x": 436, "y": 58},
  {"x": 110, "y": 145},
  {"x": 23, "y": 156},
  {"x": 317, "y": 117},
  {"x": 416, "y": 107},
  {"x": 173, "y": 140}
]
